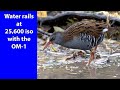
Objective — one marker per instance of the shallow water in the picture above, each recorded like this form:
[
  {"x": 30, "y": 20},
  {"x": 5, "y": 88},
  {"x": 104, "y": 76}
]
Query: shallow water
[{"x": 53, "y": 65}]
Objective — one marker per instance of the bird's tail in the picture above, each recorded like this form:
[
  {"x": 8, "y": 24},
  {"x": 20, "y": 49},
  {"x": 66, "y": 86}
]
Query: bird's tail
[{"x": 107, "y": 23}]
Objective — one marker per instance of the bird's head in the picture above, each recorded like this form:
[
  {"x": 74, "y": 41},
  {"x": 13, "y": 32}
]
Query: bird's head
[{"x": 56, "y": 37}]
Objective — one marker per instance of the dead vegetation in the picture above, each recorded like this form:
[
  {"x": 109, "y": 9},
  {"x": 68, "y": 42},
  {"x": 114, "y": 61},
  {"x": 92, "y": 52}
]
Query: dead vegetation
[{"x": 55, "y": 18}]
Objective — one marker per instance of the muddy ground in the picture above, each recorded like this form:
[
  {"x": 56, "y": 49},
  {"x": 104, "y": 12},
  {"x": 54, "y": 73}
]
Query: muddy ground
[{"x": 53, "y": 65}]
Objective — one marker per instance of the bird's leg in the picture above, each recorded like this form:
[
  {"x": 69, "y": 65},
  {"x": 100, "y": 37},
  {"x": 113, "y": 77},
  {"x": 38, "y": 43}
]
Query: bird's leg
[
  {"x": 92, "y": 54},
  {"x": 91, "y": 57},
  {"x": 94, "y": 50}
]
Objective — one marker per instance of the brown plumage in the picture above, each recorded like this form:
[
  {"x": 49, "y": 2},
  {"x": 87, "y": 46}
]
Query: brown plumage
[{"x": 91, "y": 27}]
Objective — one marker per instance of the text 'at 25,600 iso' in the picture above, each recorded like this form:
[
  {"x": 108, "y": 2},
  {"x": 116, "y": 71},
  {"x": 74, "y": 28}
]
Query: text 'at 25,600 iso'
[{"x": 18, "y": 31}]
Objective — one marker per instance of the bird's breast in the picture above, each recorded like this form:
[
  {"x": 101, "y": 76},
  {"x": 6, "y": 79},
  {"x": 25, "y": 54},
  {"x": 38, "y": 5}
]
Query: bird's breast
[{"x": 78, "y": 43}]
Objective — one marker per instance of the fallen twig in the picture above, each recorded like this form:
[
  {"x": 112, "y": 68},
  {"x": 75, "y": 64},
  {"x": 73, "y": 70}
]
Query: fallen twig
[
  {"x": 43, "y": 32},
  {"x": 60, "y": 19}
]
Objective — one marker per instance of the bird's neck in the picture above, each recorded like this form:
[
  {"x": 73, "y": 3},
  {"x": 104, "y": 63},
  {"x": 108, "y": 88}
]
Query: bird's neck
[{"x": 59, "y": 39}]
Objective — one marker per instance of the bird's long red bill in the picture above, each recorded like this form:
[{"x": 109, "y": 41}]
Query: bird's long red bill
[{"x": 47, "y": 45}]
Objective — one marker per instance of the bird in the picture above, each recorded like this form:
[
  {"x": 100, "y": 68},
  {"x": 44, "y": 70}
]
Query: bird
[{"x": 84, "y": 35}]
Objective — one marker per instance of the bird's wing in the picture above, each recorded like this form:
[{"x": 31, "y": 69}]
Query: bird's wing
[{"x": 90, "y": 27}]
